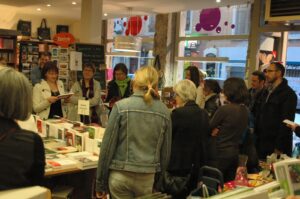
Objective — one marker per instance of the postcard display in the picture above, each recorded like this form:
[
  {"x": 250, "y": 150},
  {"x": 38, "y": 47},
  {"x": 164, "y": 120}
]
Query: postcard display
[
  {"x": 70, "y": 144},
  {"x": 29, "y": 54},
  {"x": 61, "y": 57}
]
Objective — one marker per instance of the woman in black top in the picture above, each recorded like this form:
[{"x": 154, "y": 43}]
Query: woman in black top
[
  {"x": 211, "y": 92},
  {"x": 189, "y": 131},
  {"x": 228, "y": 124},
  {"x": 21, "y": 152},
  {"x": 120, "y": 86}
]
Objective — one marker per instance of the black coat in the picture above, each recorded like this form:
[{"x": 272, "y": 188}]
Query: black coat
[
  {"x": 190, "y": 127},
  {"x": 113, "y": 91},
  {"x": 211, "y": 105},
  {"x": 22, "y": 157},
  {"x": 271, "y": 132}
]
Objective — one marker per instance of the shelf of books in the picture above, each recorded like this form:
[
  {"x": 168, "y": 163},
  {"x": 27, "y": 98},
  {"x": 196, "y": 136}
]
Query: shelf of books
[{"x": 8, "y": 40}]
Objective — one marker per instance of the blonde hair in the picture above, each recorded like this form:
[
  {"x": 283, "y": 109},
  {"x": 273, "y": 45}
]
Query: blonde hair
[{"x": 146, "y": 79}]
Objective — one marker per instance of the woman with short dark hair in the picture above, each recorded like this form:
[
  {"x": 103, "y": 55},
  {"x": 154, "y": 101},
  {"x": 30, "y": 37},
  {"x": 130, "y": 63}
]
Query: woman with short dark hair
[
  {"x": 46, "y": 102},
  {"x": 21, "y": 152},
  {"x": 228, "y": 124},
  {"x": 86, "y": 89},
  {"x": 120, "y": 86}
]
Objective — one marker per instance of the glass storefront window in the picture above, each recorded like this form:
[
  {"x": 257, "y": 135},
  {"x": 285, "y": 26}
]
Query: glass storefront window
[
  {"x": 231, "y": 20},
  {"x": 235, "y": 50},
  {"x": 141, "y": 26},
  {"x": 293, "y": 63}
]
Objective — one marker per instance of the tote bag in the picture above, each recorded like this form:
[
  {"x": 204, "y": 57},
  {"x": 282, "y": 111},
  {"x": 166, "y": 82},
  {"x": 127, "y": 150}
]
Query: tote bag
[{"x": 43, "y": 31}]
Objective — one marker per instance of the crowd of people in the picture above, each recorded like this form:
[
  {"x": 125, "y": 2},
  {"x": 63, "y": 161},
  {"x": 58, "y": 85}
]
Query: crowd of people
[{"x": 144, "y": 140}]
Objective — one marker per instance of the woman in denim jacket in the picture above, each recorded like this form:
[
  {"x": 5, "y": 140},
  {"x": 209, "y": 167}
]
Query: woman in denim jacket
[{"x": 137, "y": 141}]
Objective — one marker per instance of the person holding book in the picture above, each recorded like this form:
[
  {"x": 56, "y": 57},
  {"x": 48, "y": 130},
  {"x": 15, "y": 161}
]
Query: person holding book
[
  {"x": 46, "y": 103},
  {"x": 120, "y": 86},
  {"x": 137, "y": 141},
  {"x": 86, "y": 89},
  {"x": 21, "y": 151},
  {"x": 36, "y": 72}
]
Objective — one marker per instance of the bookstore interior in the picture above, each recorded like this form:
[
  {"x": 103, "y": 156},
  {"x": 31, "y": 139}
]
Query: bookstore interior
[{"x": 222, "y": 38}]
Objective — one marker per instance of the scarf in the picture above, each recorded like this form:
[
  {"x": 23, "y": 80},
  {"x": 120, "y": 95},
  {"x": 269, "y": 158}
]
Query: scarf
[
  {"x": 122, "y": 84},
  {"x": 94, "y": 117}
]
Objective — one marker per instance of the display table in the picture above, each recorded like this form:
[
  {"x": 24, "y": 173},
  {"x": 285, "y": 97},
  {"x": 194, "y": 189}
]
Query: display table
[{"x": 35, "y": 192}]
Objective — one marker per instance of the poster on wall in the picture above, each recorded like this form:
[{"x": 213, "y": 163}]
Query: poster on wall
[
  {"x": 266, "y": 52},
  {"x": 76, "y": 61}
]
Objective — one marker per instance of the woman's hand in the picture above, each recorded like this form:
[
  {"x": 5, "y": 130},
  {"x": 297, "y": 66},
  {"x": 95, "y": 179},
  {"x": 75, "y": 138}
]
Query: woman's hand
[
  {"x": 67, "y": 100},
  {"x": 292, "y": 126},
  {"x": 215, "y": 132},
  {"x": 101, "y": 195},
  {"x": 52, "y": 99}
]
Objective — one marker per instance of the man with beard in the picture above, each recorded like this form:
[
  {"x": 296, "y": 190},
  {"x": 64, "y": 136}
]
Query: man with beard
[{"x": 277, "y": 102}]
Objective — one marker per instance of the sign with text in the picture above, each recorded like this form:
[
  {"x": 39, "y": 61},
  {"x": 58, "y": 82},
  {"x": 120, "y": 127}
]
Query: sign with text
[
  {"x": 83, "y": 107},
  {"x": 93, "y": 53}
]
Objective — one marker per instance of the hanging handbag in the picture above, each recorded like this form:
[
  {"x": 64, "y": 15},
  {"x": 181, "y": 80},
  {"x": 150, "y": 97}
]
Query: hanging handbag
[
  {"x": 43, "y": 30},
  {"x": 24, "y": 27},
  {"x": 173, "y": 185}
]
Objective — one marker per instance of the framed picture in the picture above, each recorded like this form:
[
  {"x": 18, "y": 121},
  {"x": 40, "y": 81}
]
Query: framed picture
[
  {"x": 54, "y": 52},
  {"x": 63, "y": 51},
  {"x": 62, "y": 28},
  {"x": 63, "y": 66},
  {"x": 63, "y": 58}
]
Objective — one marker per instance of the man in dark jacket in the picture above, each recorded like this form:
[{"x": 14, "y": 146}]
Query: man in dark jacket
[{"x": 277, "y": 102}]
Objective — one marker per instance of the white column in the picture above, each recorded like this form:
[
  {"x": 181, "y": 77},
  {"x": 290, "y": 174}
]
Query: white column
[{"x": 91, "y": 21}]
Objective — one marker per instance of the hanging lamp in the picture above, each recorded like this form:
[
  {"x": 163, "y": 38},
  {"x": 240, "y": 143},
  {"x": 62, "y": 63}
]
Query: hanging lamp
[{"x": 128, "y": 43}]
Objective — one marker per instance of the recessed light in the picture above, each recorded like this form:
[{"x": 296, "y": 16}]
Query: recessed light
[
  {"x": 74, "y": 3},
  {"x": 48, "y": 5},
  {"x": 105, "y": 14},
  {"x": 218, "y": 1},
  {"x": 38, "y": 9}
]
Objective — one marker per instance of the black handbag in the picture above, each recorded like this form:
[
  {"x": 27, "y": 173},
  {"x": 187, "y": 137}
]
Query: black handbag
[
  {"x": 43, "y": 30},
  {"x": 173, "y": 184},
  {"x": 24, "y": 27}
]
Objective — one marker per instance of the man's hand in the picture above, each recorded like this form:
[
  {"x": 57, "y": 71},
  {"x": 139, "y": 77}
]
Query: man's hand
[{"x": 215, "y": 132}]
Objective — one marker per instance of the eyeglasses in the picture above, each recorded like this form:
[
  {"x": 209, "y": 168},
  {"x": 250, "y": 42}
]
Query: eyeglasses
[{"x": 269, "y": 71}]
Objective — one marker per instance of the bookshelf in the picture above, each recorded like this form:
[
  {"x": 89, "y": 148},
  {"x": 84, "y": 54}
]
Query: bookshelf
[{"x": 8, "y": 40}]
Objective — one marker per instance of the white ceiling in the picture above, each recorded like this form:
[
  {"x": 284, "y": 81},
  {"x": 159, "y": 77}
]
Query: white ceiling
[{"x": 114, "y": 8}]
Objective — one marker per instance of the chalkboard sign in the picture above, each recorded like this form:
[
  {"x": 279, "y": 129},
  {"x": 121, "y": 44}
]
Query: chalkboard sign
[{"x": 93, "y": 53}]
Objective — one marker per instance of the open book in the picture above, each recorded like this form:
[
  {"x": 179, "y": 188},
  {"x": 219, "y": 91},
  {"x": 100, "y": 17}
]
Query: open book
[{"x": 64, "y": 96}]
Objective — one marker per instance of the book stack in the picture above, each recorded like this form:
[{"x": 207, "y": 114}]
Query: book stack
[{"x": 85, "y": 160}]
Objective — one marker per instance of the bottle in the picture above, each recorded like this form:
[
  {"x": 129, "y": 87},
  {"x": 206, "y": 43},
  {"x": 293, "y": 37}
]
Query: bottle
[{"x": 241, "y": 172}]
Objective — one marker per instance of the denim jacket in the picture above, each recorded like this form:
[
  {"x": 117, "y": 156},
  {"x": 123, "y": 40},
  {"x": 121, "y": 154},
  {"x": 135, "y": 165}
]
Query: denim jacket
[{"x": 137, "y": 139}]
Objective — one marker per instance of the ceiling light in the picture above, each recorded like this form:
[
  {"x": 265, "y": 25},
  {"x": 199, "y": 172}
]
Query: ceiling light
[
  {"x": 218, "y": 1},
  {"x": 74, "y": 3},
  {"x": 38, "y": 9},
  {"x": 48, "y": 5},
  {"x": 105, "y": 14}
]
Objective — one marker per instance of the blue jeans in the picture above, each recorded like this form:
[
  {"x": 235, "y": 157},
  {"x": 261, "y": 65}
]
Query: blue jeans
[{"x": 128, "y": 185}]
